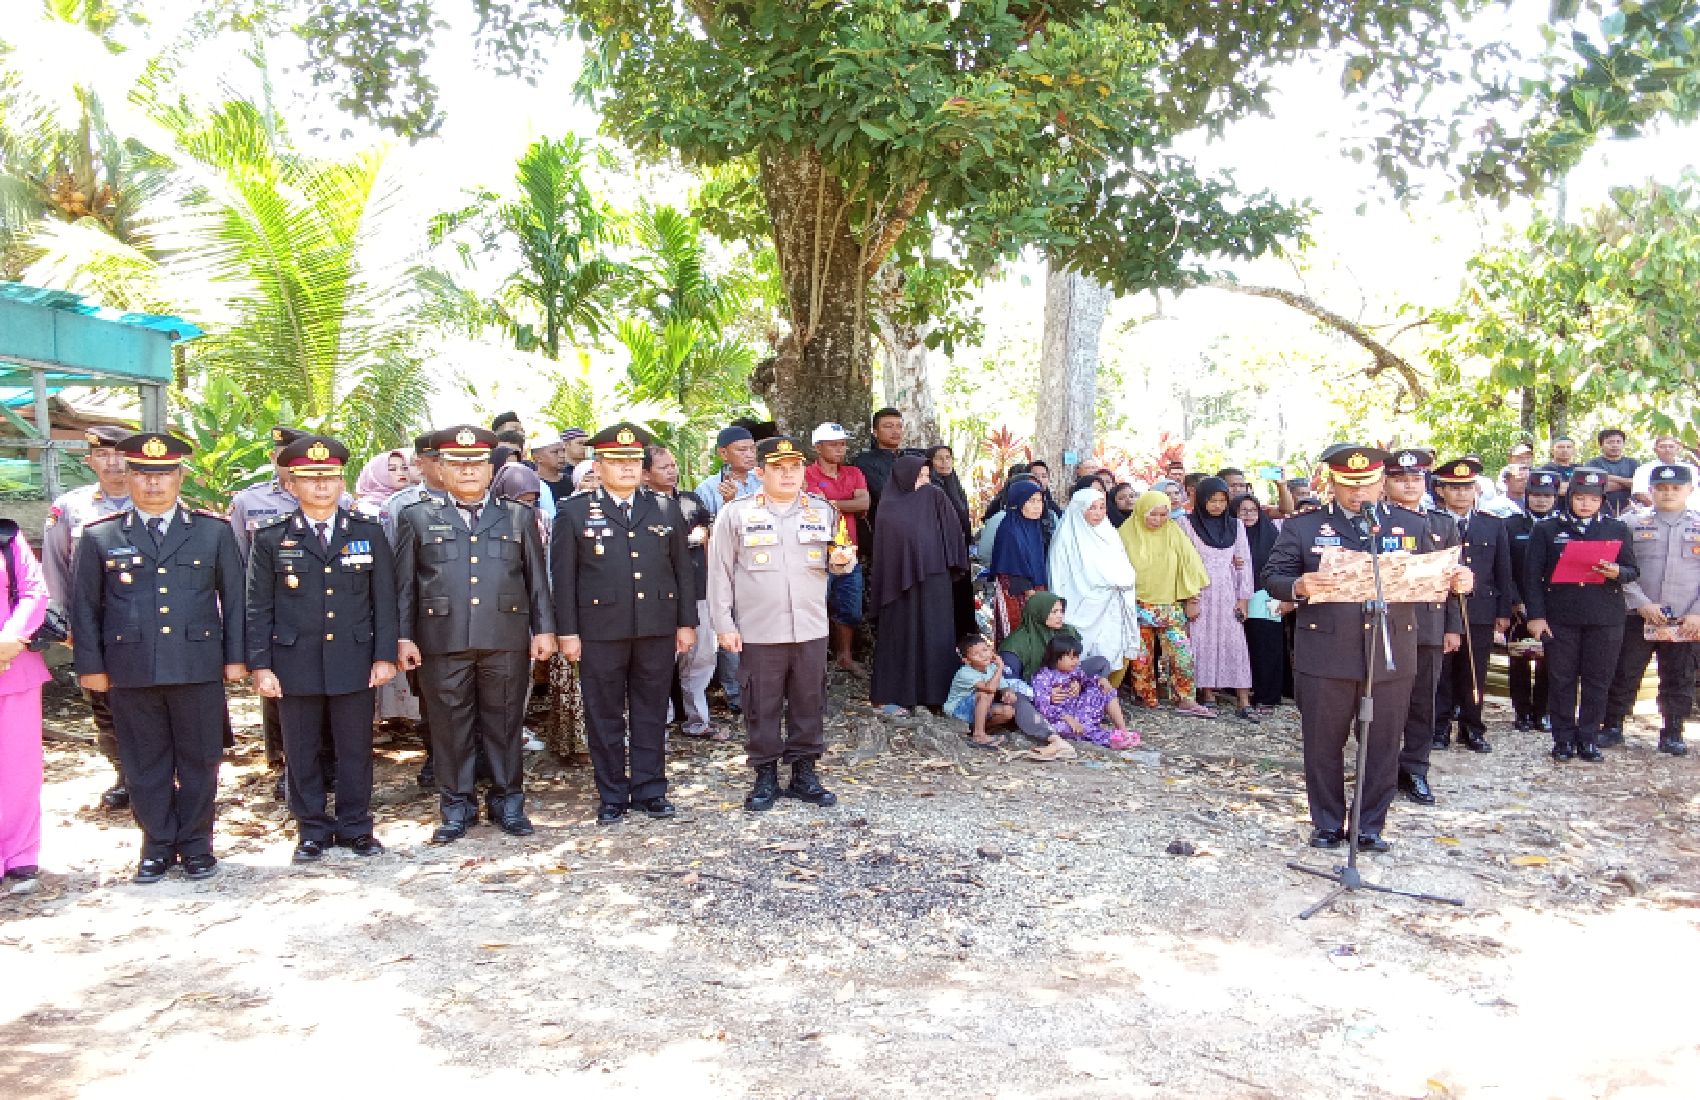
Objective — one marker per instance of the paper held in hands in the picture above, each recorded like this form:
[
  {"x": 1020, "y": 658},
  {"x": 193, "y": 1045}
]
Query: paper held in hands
[
  {"x": 1405, "y": 577},
  {"x": 1576, "y": 562}
]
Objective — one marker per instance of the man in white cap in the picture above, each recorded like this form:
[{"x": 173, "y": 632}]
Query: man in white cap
[
  {"x": 550, "y": 455},
  {"x": 846, "y": 487}
]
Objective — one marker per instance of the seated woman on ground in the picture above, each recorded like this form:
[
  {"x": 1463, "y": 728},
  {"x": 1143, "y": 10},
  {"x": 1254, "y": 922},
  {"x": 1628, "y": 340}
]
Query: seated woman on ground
[{"x": 1077, "y": 703}]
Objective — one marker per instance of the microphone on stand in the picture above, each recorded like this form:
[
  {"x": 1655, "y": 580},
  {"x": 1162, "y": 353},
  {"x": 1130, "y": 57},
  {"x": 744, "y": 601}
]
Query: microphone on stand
[{"x": 1373, "y": 517}]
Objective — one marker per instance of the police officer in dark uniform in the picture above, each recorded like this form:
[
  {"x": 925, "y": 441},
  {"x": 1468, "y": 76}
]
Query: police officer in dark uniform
[
  {"x": 321, "y": 639},
  {"x": 1487, "y": 553},
  {"x": 473, "y": 599},
  {"x": 626, "y": 607},
  {"x": 1439, "y": 625},
  {"x": 1579, "y": 623},
  {"x": 1333, "y": 643},
  {"x": 1527, "y": 672},
  {"x": 156, "y": 621}
]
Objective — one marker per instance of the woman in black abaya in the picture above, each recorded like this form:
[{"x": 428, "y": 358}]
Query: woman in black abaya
[
  {"x": 918, "y": 550},
  {"x": 941, "y": 466}
]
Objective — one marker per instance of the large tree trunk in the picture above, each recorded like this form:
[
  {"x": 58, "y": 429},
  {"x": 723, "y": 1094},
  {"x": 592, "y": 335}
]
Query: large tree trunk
[
  {"x": 903, "y": 360},
  {"x": 821, "y": 371},
  {"x": 1068, "y": 371},
  {"x": 1558, "y": 411},
  {"x": 1526, "y": 412}
]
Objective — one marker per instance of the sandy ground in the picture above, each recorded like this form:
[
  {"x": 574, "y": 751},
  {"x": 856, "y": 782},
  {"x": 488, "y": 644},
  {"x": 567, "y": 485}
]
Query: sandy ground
[{"x": 996, "y": 928}]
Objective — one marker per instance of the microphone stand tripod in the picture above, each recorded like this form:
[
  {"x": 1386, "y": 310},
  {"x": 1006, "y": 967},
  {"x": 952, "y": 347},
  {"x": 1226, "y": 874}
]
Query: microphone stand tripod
[{"x": 1348, "y": 879}]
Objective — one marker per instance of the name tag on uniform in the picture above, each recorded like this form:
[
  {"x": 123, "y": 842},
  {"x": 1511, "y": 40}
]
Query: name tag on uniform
[
  {"x": 439, "y": 527},
  {"x": 292, "y": 553},
  {"x": 1325, "y": 540},
  {"x": 357, "y": 559}
]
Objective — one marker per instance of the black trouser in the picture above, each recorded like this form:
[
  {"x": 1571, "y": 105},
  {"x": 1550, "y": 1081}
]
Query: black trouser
[
  {"x": 1528, "y": 682},
  {"x": 632, "y": 675},
  {"x": 170, "y": 738},
  {"x": 783, "y": 680},
  {"x": 1328, "y": 711},
  {"x": 1266, "y": 642},
  {"x": 277, "y": 750},
  {"x": 105, "y": 736},
  {"x": 1676, "y": 677},
  {"x": 1461, "y": 686},
  {"x": 1419, "y": 713},
  {"x": 476, "y": 699},
  {"x": 347, "y": 721},
  {"x": 1582, "y": 657}
]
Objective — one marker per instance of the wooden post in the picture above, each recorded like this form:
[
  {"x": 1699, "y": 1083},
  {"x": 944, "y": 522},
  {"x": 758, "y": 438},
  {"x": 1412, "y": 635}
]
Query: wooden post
[{"x": 44, "y": 428}]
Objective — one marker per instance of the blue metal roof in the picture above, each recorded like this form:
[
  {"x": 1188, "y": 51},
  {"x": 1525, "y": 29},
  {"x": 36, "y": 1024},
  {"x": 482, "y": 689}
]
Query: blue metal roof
[{"x": 81, "y": 343}]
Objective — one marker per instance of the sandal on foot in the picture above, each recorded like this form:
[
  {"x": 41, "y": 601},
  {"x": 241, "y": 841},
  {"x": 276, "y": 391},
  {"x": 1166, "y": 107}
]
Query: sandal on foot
[
  {"x": 1196, "y": 711},
  {"x": 892, "y": 710},
  {"x": 992, "y": 745}
]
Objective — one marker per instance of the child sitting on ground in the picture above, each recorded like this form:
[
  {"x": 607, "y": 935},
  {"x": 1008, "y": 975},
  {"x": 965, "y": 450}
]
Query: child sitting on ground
[
  {"x": 1076, "y": 704},
  {"x": 978, "y": 694}
]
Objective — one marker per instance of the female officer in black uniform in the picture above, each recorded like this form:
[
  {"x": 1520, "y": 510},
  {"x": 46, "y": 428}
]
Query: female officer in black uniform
[
  {"x": 1573, "y": 619},
  {"x": 1528, "y": 677}
]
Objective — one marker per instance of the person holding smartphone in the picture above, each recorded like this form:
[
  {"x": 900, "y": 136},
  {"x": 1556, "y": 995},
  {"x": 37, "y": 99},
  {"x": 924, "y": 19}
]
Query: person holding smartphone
[{"x": 1573, "y": 619}]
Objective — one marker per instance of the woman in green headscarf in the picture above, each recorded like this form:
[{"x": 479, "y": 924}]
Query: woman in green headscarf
[
  {"x": 1168, "y": 576},
  {"x": 1041, "y": 620}
]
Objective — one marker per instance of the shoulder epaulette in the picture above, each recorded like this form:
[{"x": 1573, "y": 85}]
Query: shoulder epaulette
[
  {"x": 272, "y": 522},
  {"x": 107, "y": 518},
  {"x": 213, "y": 515}
]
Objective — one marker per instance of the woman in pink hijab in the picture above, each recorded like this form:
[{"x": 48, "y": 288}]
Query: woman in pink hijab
[
  {"x": 23, "y": 605},
  {"x": 385, "y": 473}
]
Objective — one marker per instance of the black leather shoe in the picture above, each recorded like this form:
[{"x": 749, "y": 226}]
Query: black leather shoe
[
  {"x": 1609, "y": 737},
  {"x": 516, "y": 825},
  {"x": 115, "y": 797},
  {"x": 1443, "y": 740},
  {"x": 806, "y": 785},
  {"x": 1372, "y": 842},
  {"x": 1475, "y": 742},
  {"x": 152, "y": 869},
  {"x": 449, "y": 832},
  {"x": 1522, "y": 724},
  {"x": 1327, "y": 838},
  {"x": 765, "y": 793},
  {"x": 610, "y": 814},
  {"x": 1673, "y": 744},
  {"x": 308, "y": 851},
  {"x": 1416, "y": 788},
  {"x": 1563, "y": 750},
  {"x": 427, "y": 778},
  {"x": 366, "y": 845},
  {"x": 1590, "y": 752},
  {"x": 658, "y": 808},
  {"x": 197, "y": 867}
]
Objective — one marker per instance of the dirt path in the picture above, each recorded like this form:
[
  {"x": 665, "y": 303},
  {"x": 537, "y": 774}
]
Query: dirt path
[{"x": 1005, "y": 929}]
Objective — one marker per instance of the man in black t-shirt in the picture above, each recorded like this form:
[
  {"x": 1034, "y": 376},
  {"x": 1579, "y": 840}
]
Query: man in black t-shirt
[{"x": 1620, "y": 470}]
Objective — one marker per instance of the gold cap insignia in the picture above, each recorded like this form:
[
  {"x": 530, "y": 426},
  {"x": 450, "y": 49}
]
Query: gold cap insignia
[
  {"x": 92, "y": 439},
  {"x": 1359, "y": 461},
  {"x": 277, "y": 435},
  {"x": 465, "y": 437},
  {"x": 1460, "y": 470},
  {"x": 625, "y": 438},
  {"x": 785, "y": 447},
  {"x": 154, "y": 447},
  {"x": 318, "y": 452}
]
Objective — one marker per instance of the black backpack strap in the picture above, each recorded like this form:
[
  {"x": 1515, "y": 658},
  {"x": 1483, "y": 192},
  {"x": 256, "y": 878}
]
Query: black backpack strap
[{"x": 8, "y": 532}]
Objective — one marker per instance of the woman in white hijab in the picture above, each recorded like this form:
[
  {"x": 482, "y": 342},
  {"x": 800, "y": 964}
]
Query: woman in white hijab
[{"x": 1090, "y": 569}]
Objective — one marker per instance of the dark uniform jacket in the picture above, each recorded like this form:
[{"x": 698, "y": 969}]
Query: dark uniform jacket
[
  {"x": 641, "y": 585},
  {"x": 696, "y": 516},
  {"x": 460, "y": 590},
  {"x": 1519, "y": 527},
  {"x": 1332, "y": 639},
  {"x": 1575, "y": 604},
  {"x": 319, "y": 617},
  {"x": 1487, "y": 551},
  {"x": 1436, "y": 620},
  {"x": 147, "y": 616}
]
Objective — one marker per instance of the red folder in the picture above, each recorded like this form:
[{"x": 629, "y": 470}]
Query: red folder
[{"x": 1576, "y": 563}]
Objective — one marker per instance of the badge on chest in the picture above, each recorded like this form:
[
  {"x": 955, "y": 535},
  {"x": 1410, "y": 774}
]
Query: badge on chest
[{"x": 357, "y": 552}]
